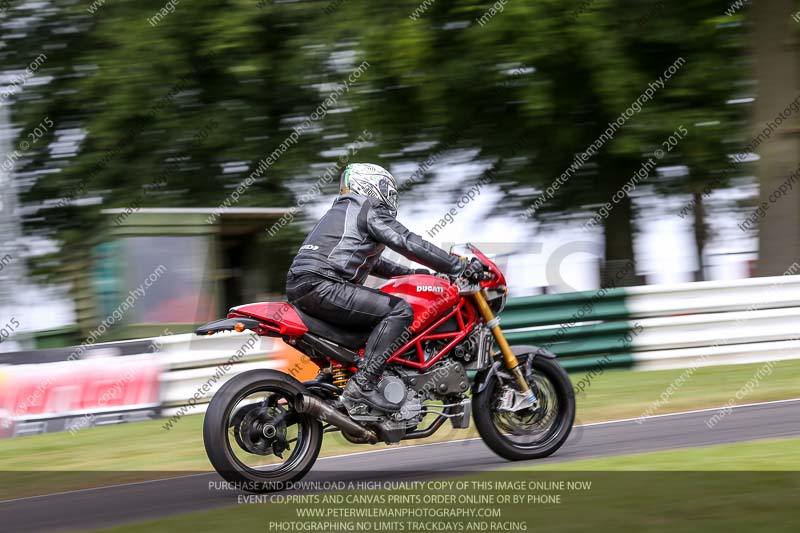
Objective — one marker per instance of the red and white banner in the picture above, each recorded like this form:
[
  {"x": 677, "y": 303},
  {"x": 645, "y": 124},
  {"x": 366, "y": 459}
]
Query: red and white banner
[{"x": 73, "y": 395}]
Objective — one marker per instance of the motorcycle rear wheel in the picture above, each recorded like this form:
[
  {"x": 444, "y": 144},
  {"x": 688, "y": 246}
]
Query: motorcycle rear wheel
[
  {"x": 237, "y": 428},
  {"x": 546, "y": 429}
]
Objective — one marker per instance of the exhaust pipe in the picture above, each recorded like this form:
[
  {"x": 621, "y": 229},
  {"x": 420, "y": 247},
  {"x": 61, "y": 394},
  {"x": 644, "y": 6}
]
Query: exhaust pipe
[{"x": 304, "y": 403}]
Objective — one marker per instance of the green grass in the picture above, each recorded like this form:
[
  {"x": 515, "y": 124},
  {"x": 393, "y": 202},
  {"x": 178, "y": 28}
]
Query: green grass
[
  {"x": 141, "y": 450},
  {"x": 624, "y": 394},
  {"x": 779, "y": 455},
  {"x": 664, "y": 491}
]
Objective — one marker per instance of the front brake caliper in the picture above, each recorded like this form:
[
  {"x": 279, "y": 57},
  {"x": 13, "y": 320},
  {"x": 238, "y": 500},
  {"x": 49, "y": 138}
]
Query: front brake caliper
[{"x": 513, "y": 400}]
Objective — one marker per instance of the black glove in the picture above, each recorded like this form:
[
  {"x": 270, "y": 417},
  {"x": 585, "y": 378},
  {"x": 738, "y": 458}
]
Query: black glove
[{"x": 474, "y": 270}]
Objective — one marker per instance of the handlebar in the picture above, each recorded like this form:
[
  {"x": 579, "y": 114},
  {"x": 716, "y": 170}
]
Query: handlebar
[{"x": 487, "y": 273}]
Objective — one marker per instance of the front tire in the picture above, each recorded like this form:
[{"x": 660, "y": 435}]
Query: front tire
[
  {"x": 252, "y": 418},
  {"x": 527, "y": 434}
]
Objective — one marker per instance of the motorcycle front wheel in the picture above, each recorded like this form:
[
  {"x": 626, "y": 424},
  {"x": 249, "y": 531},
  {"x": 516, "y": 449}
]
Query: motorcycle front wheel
[
  {"x": 530, "y": 433},
  {"x": 253, "y": 436}
]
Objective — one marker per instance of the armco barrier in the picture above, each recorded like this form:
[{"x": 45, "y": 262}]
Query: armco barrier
[
  {"x": 664, "y": 326},
  {"x": 646, "y": 328}
]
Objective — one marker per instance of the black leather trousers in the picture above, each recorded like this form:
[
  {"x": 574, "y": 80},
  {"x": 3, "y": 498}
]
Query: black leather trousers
[{"x": 349, "y": 305}]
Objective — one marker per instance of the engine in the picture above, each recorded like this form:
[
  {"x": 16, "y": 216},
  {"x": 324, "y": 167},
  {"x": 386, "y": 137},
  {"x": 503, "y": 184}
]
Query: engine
[
  {"x": 446, "y": 381},
  {"x": 472, "y": 352}
]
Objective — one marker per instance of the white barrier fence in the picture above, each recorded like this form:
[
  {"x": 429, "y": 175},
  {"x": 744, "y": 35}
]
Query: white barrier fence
[{"x": 716, "y": 322}]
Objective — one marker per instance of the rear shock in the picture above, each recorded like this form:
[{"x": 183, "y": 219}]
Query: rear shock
[{"x": 340, "y": 376}]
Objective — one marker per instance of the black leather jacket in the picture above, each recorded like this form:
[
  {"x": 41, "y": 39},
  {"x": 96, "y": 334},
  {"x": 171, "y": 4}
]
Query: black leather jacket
[{"x": 347, "y": 242}]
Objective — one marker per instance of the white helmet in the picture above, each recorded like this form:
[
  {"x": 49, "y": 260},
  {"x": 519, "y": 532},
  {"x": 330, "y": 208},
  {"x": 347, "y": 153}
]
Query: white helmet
[{"x": 370, "y": 180}]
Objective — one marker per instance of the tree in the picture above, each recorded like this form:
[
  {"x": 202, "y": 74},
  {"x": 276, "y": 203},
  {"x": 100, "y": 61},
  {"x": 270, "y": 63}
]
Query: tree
[
  {"x": 525, "y": 90},
  {"x": 185, "y": 110},
  {"x": 776, "y": 69},
  {"x": 555, "y": 77}
]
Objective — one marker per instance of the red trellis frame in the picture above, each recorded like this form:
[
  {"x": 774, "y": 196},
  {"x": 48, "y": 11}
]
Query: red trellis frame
[{"x": 465, "y": 315}]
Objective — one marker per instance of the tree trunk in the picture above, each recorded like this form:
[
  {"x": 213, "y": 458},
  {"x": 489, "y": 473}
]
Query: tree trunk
[
  {"x": 700, "y": 235},
  {"x": 777, "y": 74},
  {"x": 619, "y": 247}
]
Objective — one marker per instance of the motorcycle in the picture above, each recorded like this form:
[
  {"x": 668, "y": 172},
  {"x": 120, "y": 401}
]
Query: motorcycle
[{"x": 263, "y": 430}]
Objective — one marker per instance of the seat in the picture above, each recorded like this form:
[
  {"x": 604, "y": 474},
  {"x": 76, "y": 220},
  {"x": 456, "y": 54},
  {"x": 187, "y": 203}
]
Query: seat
[{"x": 353, "y": 339}]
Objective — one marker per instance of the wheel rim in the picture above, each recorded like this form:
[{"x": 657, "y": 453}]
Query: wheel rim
[
  {"x": 528, "y": 428},
  {"x": 265, "y": 436}
]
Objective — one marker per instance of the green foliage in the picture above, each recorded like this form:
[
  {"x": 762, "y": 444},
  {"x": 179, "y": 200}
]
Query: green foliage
[{"x": 536, "y": 72}]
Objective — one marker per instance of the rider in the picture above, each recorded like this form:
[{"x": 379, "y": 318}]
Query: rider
[{"x": 326, "y": 276}]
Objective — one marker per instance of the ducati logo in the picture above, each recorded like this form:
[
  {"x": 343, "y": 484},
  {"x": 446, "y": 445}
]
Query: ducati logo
[{"x": 429, "y": 288}]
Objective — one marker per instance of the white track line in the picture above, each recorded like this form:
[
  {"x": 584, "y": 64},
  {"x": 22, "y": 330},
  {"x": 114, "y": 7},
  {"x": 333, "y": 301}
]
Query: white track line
[
  {"x": 384, "y": 450},
  {"x": 78, "y": 491},
  {"x": 706, "y": 410}
]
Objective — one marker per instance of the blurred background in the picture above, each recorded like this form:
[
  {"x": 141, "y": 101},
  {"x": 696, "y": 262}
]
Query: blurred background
[
  {"x": 207, "y": 137},
  {"x": 162, "y": 160}
]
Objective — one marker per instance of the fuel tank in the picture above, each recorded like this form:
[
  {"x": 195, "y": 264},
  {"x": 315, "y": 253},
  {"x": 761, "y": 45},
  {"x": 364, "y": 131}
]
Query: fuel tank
[{"x": 429, "y": 296}]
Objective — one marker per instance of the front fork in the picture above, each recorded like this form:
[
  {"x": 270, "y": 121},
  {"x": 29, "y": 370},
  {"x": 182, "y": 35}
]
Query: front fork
[{"x": 509, "y": 359}]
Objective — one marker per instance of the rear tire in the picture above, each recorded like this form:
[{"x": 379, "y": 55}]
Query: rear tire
[
  {"x": 485, "y": 412},
  {"x": 217, "y": 425}
]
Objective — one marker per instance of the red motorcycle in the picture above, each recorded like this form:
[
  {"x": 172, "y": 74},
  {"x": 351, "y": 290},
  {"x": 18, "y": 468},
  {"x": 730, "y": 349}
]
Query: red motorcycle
[{"x": 264, "y": 429}]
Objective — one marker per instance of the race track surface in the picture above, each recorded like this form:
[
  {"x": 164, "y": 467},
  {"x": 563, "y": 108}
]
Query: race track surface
[{"x": 104, "y": 507}]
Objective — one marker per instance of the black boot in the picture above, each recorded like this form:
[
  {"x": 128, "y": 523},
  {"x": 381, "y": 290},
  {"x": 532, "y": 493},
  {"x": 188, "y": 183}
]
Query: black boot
[
  {"x": 383, "y": 340},
  {"x": 365, "y": 391}
]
